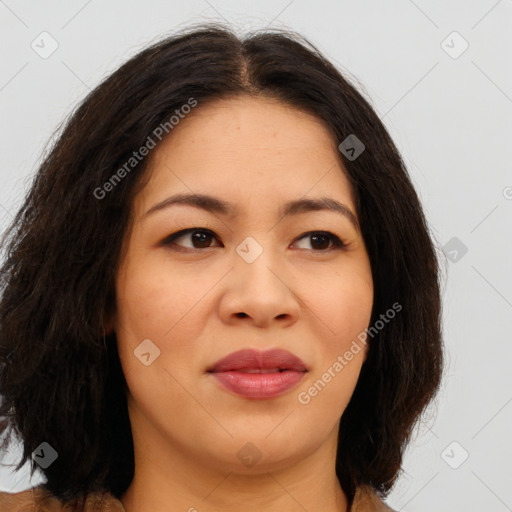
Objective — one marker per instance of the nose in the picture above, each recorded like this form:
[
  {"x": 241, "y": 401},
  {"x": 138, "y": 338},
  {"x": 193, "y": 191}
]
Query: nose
[{"x": 260, "y": 293}]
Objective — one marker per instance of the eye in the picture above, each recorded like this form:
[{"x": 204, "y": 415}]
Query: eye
[
  {"x": 321, "y": 239},
  {"x": 201, "y": 239}
]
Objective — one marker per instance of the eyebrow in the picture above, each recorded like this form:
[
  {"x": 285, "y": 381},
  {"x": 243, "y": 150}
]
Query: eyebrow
[{"x": 218, "y": 206}]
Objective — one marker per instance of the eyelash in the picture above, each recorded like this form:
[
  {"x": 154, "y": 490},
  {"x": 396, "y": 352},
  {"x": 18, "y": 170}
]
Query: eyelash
[{"x": 337, "y": 243}]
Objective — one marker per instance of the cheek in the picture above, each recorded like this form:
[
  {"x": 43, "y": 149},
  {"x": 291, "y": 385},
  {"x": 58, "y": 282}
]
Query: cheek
[
  {"x": 153, "y": 299},
  {"x": 345, "y": 309},
  {"x": 167, "y": 308},
  {"x": 346, "y": 304},
  {"x": 149, "y": 307}
]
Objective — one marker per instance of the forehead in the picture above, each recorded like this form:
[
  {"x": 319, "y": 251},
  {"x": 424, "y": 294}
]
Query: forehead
[
  {"x": 248, "y": 147},
  {"x": 259, "y": 123}
]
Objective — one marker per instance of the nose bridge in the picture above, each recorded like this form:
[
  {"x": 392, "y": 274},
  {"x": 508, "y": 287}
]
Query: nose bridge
[
  {"x": 258, "y": 267},
  {"x": 255, "y": 256}
]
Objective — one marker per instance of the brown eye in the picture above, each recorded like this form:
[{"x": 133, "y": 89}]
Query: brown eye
[
  {"x": 201, "y": 238},
  {"x": 320, "y": 240}
]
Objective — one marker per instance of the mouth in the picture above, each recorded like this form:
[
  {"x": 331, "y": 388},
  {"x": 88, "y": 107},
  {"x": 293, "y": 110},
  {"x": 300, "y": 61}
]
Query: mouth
[
  {"x": 262, "y": 370},
  {"x": 259, "y": 375},
  {"x": 253, "y": 361}
]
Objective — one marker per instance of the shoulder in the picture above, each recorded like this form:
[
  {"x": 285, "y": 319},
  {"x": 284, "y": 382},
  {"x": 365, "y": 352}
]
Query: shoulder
[
  {"x": 32, "y": 500},
  {"x": 39, "y": 499},
  {"x": 367, "y": 500}
]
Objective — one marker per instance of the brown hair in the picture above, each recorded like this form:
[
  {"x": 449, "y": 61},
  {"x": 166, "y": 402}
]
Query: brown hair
[{"x": 60, "y": 376}]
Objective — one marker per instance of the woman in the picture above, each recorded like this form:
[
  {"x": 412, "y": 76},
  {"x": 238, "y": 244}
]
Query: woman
[{"x": 221, "y": 291}]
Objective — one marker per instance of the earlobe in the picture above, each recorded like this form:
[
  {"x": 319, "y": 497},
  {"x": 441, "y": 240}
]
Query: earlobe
[
  {"x": 365, "y": 352},
  {"x": 365, "y": 356},
  {"x": 109, "y": 319},
  {"x": 109, "y": 326}
]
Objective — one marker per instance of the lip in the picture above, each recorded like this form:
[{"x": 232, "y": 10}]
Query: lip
[{"x": 272, "y": 372}]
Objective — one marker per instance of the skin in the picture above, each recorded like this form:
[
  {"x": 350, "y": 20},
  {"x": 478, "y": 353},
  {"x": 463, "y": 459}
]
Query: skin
[{"x": 307, "y": 297}]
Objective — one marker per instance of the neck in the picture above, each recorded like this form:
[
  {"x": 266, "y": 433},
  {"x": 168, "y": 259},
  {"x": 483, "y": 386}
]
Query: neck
[{"x": 167, "y": 479}]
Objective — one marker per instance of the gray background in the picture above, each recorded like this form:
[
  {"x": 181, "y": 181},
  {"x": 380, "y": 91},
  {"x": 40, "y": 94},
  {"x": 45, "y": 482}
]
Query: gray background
[{"x": 450, "y": 114}]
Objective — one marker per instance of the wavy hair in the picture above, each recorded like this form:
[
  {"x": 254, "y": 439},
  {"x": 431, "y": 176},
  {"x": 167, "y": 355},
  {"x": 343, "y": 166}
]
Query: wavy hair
[{"x": 60, "y": 376}]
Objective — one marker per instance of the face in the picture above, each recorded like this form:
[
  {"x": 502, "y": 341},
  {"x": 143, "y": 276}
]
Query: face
[{"x": 251, "y": 277}]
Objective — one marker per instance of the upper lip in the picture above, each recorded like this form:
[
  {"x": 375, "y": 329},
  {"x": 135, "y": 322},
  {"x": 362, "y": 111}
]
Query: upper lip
[{"x": 249, "y": 359}]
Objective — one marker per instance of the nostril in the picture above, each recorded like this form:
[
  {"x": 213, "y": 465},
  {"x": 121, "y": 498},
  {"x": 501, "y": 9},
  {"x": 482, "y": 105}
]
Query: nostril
[{"x": 241, "y": 315}]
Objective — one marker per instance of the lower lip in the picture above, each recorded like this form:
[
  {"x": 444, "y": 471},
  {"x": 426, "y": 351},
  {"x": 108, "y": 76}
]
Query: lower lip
[{"x": 259, "y": 385}]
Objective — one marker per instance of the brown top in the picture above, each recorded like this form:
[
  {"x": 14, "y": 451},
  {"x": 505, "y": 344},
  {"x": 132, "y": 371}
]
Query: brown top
[{"x": 38, "y": 499}]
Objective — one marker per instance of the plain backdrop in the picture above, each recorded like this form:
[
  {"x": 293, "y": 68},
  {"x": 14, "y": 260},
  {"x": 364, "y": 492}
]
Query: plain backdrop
[{"x": 439, "y": 74}]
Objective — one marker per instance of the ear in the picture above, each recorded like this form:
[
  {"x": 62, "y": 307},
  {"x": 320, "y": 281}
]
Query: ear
[
  {"x": 109, "y": 324},
  {"x": 109, "y": 328},
  {"x": 365, "y": 346},
  {"x": 109, "y": 318},
  {"x": 366, "y": 349}
]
